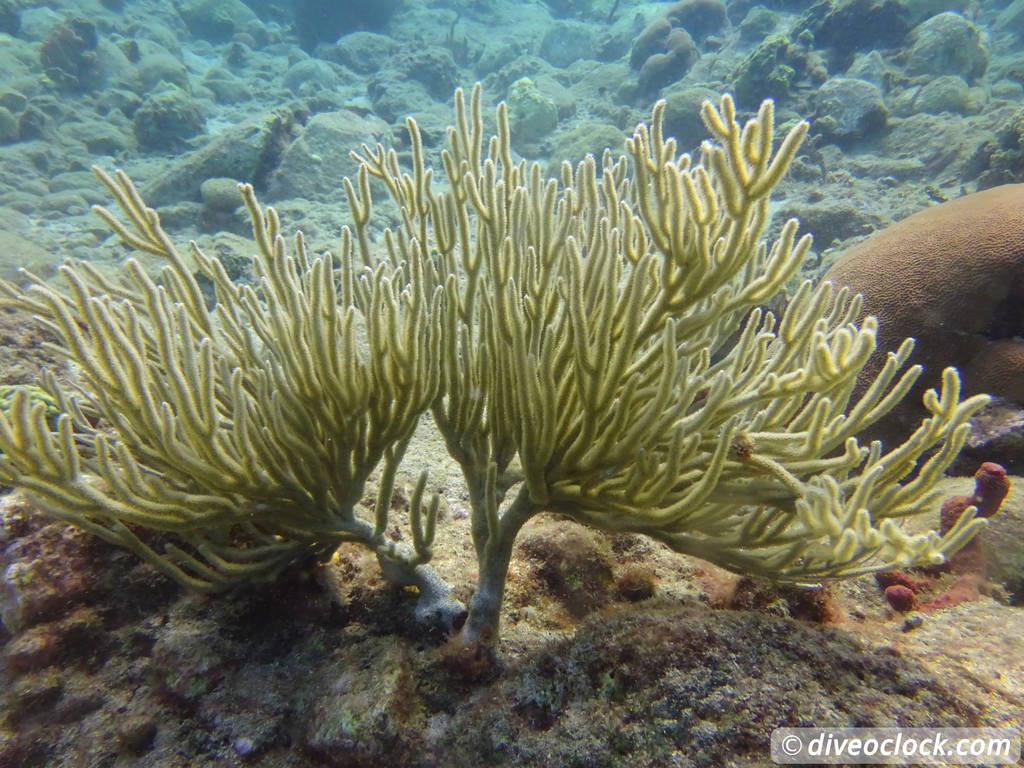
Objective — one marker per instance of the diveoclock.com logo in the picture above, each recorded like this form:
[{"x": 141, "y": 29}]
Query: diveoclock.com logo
[{"x": 950, "y": 746}]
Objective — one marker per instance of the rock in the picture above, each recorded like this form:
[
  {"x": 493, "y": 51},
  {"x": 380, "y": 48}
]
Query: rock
[
  {"x": 365, "y": 52},
  {"x": 938, "y": 143},
  {"x": 318, "y": 21},
  {"x": 1003, "y": 545},
  {"x": 248, "y": 152},
  {"x": 31, "y": 651},
  {"x": 614, "y": 42},
  {"x": 831, "y": 220},
  {"x": 948, "y": 93},
  {"x": 711, "y": 680},
  {"x": 9, "y": 19},
  {"x": 636, "y": 582},
  {"x": 588, "y": 137},
  {"x": 997, "y": 434},
  {"x": 682, "y": 115},
  {"x": 33, "y": 123},
  {"x": 160, "y": 66},
  {"x": 532, "y": 115},
  {"x": 109, "y": 136},
  {"x": 186, "y": 666},
  {"x": 870, "y": 66},
  {"x": 412, "y": 82},
  {"x": 32, "y": 695},
  {"x": 1007, "y": 90},
  {"x": 46, "y": 569},
  {"x": 233, "y": 250},
  {"x": 310, "y": 75},
  {"x": 366, "y": 709},
  {"x": 220, "y": 194},
  {"x": 216, "y": 20},
  {"x": 72, "y": 708},
  {"x": 1000, "y": 159},
  {"x": 433, "y": 67},
  {"x": 848, "y": 109},
  {"x": 768, "y": 71},
  {"x": 848, "y": 26},
  {"x": 68, "y": 203},
  {"x": 314, "y": 163},
  {"x": 699, "y": 18},
  {"x": 68, "y": 55},
  {"x": 947, "y": 44},
  {"x": 35, "y": 24},
  {"x": 226, "y": 87},
  {"x": 562, "y": 9},
  {"x": 571, "y": 564},
  {"x": 566, "y": 42},
  {"x": 168, "y": 119},
  {"x": 497, "y": 56},
  {"x": 919, "y": 10},
  {"x": 135, "y": 734},
  {"x": 66, "y": 641},
  {"x": 12, "y": 99},
  {"x": 758, "y": 24}
]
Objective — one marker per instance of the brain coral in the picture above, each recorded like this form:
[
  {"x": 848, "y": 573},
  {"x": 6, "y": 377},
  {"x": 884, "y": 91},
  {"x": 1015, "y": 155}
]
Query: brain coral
[{"x": 952, "y": 277}]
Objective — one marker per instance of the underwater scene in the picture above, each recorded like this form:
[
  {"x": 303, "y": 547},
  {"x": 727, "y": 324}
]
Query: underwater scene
[{"x": 541, "y": 383}]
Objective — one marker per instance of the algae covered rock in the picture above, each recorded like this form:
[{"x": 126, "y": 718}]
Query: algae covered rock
[
  {"x": 948, "y": 93},
  {"x": 168, "y": 119},
  {"x": 849, "y": 109},
  {"x": 432, "y": 66},
  {"x": 570, "y": 567},
  {"x": 319, "y": 21},
  {"x": 682, "y": 115},
  {"x": 310, "y": 75},
  {"x": 68, "y": 55},
  {"x": 768, "y": 71},
  {"x": 412, "y": 80},
  {"x": 588, "y": 138},
  {"x": 220, "y": 194},
  {"x": 532, "y": 114},
  {"x": 216, "y": 20},
  {"x": 848, "y": 26},
  {"x": 648, "y": 686},
  {"x": 158, "y": 65},
  {"x": 1000, "y": 159},
  {"x": 759, "y": 22},
  {"x": 948, "y": 44},
  {"x": 365, "y": 52},
  {"x": 872, "y": 67},
  {"x": 248, "y": 151},
  {"x": 566, "y": 42},
  {"x": 226, "y": 87},
  {"x": 311, "y": 167},
  {"x": 569, "y": 8}
]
